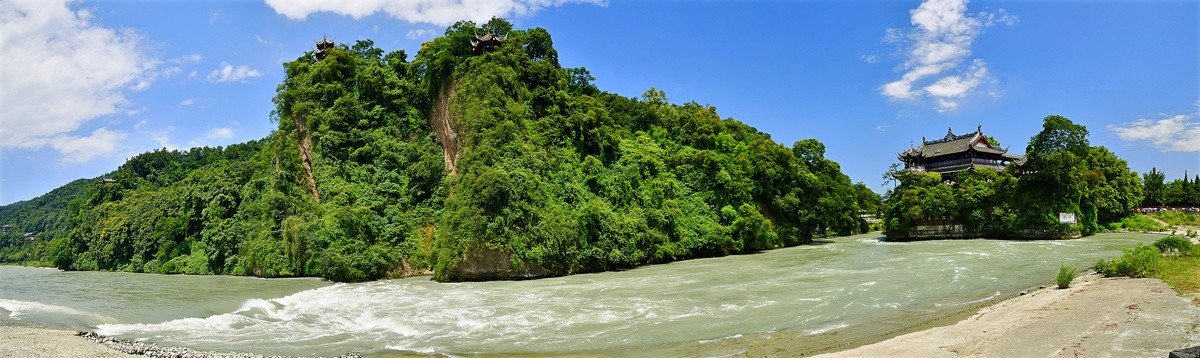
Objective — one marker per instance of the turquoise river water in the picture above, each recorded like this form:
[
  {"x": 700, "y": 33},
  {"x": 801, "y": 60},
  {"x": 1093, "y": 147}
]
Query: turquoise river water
[{"x": 832, "y": 293}]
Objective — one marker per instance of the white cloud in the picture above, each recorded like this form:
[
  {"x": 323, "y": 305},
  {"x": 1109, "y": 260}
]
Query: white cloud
[
  {"x": 437, "y": 12},
  {"x": 139, "y": 124},
  {"x": 260, "y": 39},
  {"x": 960, "y": 86},
  {"x": 102, "y": 143},
  {"x": 214, "y": 17},
  {"x": 939, "y": 41},
  {"x": 62, "y": 69},
  {"x": 163, "y": 138},
  {"x": 188, "y": 102},
  {"x": 420, "y": 33},
  {"x": 1174, "y": 133},
  {"x": 217, "y": 133},
  {"x": 193, "y": 58},
  {"x": 869, "y": 59},
  {"x": 229, "y": 73},
  {"x": 136, "y": 111}
]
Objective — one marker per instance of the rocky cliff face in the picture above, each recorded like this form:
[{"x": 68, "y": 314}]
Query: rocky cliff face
[
  {"x": 491, "y": 264},
  {"x": 305, "y": 144},
  {"x": 445, "y": 125}
]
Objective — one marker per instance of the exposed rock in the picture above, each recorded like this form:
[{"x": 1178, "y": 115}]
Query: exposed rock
[
  {"x": 153, "y": 350},
  {"x": 445, "y": 125},
  {"x": 954, "y": 230},
  {"x": 1193, "y": 352},
  {"x": 491, "y": 264}
]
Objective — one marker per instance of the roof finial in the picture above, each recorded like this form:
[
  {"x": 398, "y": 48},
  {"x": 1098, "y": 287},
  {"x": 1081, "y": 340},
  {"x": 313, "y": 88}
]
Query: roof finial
[
  {"x": 949, "y": 133},
  {"x": 979, "y": 129}
]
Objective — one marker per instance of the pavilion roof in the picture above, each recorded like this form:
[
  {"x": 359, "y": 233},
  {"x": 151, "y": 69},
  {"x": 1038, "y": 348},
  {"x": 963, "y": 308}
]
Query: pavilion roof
[{"x": 958, "y": 143}]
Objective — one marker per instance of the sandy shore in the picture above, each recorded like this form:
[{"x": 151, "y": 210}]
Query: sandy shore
[
  {"x": 1096, "y": 317},
  {"x": 31, "y": 341}
]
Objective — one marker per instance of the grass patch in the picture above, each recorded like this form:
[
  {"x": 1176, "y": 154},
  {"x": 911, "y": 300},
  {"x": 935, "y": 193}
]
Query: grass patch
[
  {"x": 1178, "y": 217},
  {"x": 1065, "y": 275},
  {"x": 1137, "y": 222},
  {"x": 1183, "y": 274}
]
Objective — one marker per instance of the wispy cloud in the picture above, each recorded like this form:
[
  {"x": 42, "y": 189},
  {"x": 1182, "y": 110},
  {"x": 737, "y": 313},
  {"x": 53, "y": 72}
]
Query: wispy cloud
[
  {"x": 935, "y": 49},
  {"x": 1171, "y": 133},
  {"x": 163, "y": 138},
  {"x": 62, "y": 69},
  {"x": 188, "y": 102},
  {"x": 227, "y": 73},
  {"x": 437, "y": 12},
  {"x": 218, "y": 133},
  {"x": 869, "y": 59},
  {"x": 416, "y": 34}
]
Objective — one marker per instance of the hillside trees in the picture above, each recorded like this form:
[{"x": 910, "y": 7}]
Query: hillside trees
[{"x": 504, "y": 160}]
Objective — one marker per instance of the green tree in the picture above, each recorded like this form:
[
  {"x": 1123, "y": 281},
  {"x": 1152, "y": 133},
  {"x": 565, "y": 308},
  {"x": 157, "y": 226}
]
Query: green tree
[
  {"x": 1154, "y": 187},
  {"x": 1058, "y": 134}
]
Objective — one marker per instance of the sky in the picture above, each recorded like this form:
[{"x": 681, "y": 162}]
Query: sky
[{"x": 85, "y": 85}]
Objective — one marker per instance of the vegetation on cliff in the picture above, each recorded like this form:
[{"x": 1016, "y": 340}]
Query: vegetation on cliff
[
  {"x": 474, "y": 166},
  {"x": 1064, "y": 174}
]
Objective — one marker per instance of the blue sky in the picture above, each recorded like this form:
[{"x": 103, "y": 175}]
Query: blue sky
[{"x": 87, "y": 84}]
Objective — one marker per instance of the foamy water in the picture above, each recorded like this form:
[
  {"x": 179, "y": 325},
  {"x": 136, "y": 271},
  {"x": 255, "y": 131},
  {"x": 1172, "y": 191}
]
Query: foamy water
[{"x": 836, "y": 286}]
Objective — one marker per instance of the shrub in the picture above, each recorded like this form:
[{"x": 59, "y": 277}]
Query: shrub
[
  {"x": 1065, "y": 275},
  {"x": 1140, "y": 261},
  {"x": 1174, "y": 245},
  {"x": 1140, "y": 222}
]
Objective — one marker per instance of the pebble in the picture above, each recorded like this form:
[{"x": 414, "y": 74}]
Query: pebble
[{"x": 153, "y": 350}]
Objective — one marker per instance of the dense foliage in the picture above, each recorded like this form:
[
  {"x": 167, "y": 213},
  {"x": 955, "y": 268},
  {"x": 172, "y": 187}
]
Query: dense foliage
[
  {"x": 1064, "y": 174},
  {"x": 1176, "y": 193},
  {"x": 382, "y": 167}
]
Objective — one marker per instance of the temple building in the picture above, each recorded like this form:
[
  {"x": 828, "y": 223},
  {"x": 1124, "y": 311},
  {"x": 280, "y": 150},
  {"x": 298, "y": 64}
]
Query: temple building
[
  {"x": 324, "y": 45},
  {"x": 485, "y": 43},
  {"x": 955, "y": 153}
]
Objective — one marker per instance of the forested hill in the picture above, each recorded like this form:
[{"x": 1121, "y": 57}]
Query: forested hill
[{"x": 469, "y": 165}]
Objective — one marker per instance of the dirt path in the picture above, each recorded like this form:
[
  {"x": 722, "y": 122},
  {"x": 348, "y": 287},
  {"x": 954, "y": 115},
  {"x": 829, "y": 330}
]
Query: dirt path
[{"x": 1097, "y": 317}]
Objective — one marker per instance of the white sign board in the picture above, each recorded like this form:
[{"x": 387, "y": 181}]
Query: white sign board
[{"x": 1066, "y": 218}]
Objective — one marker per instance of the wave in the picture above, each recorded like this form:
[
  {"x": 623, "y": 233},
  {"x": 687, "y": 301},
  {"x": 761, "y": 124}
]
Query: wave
[{"x": 22, "y": 309}]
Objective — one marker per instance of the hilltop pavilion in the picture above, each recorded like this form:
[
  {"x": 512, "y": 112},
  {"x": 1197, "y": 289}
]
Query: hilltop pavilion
[{"x": 955, "y": 153}]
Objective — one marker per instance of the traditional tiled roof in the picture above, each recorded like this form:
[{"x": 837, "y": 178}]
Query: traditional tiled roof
[{"x": 957, "y": 143}]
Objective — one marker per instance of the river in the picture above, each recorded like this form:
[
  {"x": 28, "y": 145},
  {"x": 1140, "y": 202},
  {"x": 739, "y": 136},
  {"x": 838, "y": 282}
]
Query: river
[{"x": 833, "y": 293}]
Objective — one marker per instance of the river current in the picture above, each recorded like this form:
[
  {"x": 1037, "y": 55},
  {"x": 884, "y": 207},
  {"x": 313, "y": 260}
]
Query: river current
[{"x": 833, "y": 291}]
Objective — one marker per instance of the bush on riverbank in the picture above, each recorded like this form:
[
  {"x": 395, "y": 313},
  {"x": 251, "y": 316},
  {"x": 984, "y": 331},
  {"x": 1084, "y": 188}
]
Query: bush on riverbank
[
  {"x": 1176, "y": 246},
  {"x": 1066, "y": 274},
  {"x": 1140, "y": 261}
]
